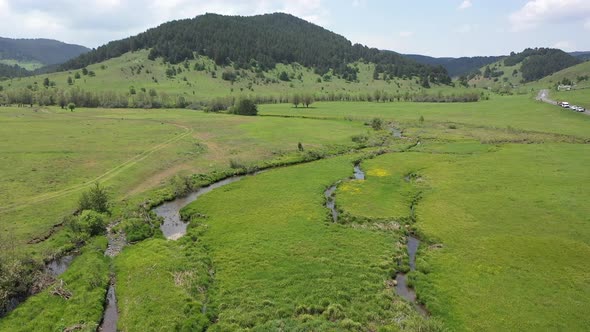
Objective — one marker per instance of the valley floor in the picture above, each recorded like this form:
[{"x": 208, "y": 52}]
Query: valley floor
[{"x": 493, "y": 190}]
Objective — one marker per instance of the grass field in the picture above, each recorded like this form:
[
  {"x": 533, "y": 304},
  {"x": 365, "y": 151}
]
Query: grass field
[
  {"x": 499, "y": 188},
  {"x": 513, "y": 113},
  {"x": 130, "y": 151}
]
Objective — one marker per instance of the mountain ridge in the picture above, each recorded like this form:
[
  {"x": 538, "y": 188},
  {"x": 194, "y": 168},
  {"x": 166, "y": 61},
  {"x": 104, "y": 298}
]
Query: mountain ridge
[{"x": 42, "y": 50}]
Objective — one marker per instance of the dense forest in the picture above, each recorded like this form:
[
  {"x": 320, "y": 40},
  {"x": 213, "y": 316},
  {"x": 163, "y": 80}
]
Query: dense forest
[
  {"x": 456, "y": 66},
  {"x": 7, "y": 71},
  {"x": 45, "y": 51},
  {"x": 540, "y": 62},
  {"x": 260, "y": 42}
]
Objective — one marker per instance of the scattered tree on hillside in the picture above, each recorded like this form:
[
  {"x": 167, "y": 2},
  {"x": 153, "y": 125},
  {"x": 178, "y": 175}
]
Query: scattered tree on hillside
[{"x": 71, "y": 107}]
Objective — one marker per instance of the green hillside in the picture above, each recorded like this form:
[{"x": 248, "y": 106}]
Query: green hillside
[
  {"x": 527, "y": 66},
  {"x": 259, "y": 42},
  {"x": 133, "y": 80}
]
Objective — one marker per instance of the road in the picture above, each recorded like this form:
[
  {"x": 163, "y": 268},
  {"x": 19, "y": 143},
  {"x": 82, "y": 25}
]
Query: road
[{"x": 544, "y": 97}]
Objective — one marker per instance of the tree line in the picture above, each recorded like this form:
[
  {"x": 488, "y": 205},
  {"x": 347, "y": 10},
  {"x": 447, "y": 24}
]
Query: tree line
[{"x": 153, "y": 99}]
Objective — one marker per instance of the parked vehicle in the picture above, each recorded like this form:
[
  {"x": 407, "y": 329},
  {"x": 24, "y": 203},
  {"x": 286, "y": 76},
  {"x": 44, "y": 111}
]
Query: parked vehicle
[{"x": 564, "y": 104}]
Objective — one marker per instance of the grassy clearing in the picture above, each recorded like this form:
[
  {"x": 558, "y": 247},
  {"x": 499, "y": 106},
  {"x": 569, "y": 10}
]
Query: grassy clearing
[
  {"x": 502, "y": 228},
  {"x": 28, "y": 65},
  {"x": 86, "y": 280}
]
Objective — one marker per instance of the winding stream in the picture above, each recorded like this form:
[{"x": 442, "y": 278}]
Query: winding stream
[
  {"x": 173, "y": 227},
  {"x": 401, "y": 288},
  {"x": 329, "y": 193}
]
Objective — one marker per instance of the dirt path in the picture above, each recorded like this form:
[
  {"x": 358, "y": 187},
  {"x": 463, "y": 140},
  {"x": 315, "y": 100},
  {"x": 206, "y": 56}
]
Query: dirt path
[{"x": 111, "y": 173}]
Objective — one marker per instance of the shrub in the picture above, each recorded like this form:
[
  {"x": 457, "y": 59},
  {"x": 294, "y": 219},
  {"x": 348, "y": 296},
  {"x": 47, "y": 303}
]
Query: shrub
[
  {"x": 88, "y": 223},
  {"x": 377, "y": 124},
  {"x": 96, "y": 199},
  {"x": 334, "y": 312},
  {"x": 137, "y": 229},
  {"x": 237, "y": 164},
  {"x": 245, "y": 107}
]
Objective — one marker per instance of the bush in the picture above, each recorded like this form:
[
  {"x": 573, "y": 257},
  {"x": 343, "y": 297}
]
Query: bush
[
  {"x": 88, "y": 223},
  {"x": 377, "y": 124},
  {"x": 137, "y": 229},
  {"x": 245, "y": 107},
  {"x": 96, "y": 199}
]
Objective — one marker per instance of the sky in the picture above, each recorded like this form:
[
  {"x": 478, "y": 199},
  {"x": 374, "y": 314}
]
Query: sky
[{"x": 435, "y": 27}]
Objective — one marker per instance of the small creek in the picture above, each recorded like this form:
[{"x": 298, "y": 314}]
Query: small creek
[
  {"x": 173, "y": 227},
  {"x": 58, "y": 266},
  {"x": 53, "y": 268},
  {"x": 397, "y": 133},
  {"x": 111, "y": 312},
  {"x": 401, "y": 288},
  {"x": 329, "y": 193}
]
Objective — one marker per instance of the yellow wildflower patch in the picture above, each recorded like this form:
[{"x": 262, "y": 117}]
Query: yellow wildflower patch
[{"x": 380, "y": 172}]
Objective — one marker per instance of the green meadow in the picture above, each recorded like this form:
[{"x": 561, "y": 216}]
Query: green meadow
[{"x": 497, "y": 190}]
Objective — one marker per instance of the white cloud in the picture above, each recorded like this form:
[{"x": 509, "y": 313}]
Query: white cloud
[
  {"x": 406, "y": 34},
  {"x": 465, "y": 4},
  {"x": 95, "y": 22},
  {"x": 565, "y": 45},
  {"x": 538, "y": 12}
]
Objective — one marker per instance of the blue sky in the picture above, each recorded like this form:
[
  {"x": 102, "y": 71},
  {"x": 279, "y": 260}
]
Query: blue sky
[{"x": 436, "y": 27}]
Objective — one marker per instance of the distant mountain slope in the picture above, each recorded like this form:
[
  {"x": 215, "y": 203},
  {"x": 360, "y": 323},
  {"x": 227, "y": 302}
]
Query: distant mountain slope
[
  {"x": 540, "y": 62},
  {"x": 260, "y": 42},
  {"x": 456, "y": 66},
  {"x": 44, "y": 51},
  {"x": 585, "y": 55},
  {"x": 527, "y": 66}
]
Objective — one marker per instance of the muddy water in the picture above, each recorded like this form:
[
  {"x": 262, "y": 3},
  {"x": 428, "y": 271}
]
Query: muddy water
[
  {"x": 173, "y": 227},
  {"x": 331, "y": 202},
  {"x": 58, "y": 266},
  {"x": 401, "y": 288},
  {"x": 111, "y": 314},
  {"x": 53, "y": 268}
]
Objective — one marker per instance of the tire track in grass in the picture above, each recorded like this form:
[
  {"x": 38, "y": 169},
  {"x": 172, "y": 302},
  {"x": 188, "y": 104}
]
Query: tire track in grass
[{"x": 103, "y": 177}]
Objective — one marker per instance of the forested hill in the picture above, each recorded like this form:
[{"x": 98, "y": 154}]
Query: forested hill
[
  {"x": 261, "y": 42},
  {"x": 456, "y": 66},
  {"x": 540, "y": 62},
  {"x": 44, "y": 51}
]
